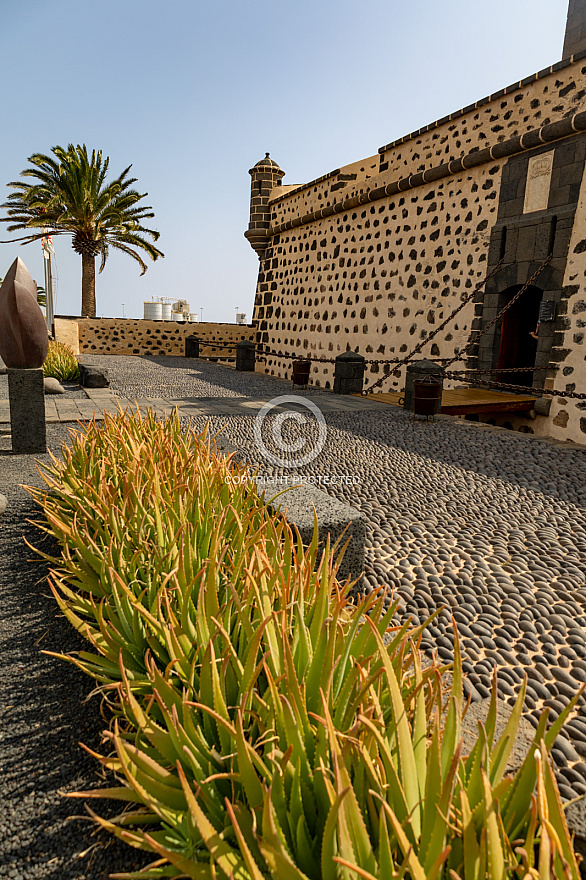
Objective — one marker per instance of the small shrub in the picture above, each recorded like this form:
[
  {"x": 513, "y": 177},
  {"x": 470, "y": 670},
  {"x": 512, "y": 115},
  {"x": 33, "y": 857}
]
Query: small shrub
[{"x": 61, "y": 363}]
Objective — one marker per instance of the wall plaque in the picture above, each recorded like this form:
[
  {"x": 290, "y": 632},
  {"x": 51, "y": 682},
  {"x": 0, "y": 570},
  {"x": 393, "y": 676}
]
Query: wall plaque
[{"x": 538, "y": 182}]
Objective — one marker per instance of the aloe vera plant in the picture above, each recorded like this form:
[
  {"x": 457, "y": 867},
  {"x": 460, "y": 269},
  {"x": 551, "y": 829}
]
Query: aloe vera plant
[
  {"x": 132, "y": 504},
  {"x": 61, "y": 362},
  {"x": 264, "y": 726}
]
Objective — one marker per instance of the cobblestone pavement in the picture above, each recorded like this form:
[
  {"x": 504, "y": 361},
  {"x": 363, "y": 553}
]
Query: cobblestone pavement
[
  {"x": 488, "y": 525},
  {"x": 194, "y": 387}
]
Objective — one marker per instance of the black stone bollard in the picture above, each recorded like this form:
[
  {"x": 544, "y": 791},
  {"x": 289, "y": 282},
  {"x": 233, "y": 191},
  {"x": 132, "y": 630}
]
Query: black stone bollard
[
  {"x": 245, "y": 356},
  {"x": 420, "y": 370},
  {"x": 26, "y": 392},
  {"x": 349, "y": 373},
  {"x": 191, "y": 347},
  {"x": 93, "y": 377}
]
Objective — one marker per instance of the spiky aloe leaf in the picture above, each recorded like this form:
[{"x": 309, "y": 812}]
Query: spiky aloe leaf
[
  {"x": 407, "y": 770},
  {"x": 553, "y": 818},
  {"x": 226, "y": 857}
]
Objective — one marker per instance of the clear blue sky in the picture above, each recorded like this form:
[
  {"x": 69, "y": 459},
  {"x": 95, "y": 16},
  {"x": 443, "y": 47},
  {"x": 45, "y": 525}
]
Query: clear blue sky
[{"x": 194, "y": 93}]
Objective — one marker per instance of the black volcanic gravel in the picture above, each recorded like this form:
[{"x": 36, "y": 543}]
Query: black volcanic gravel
[
  {"x": 43, "y": 716},
  {"x": 73, "y": 390}
]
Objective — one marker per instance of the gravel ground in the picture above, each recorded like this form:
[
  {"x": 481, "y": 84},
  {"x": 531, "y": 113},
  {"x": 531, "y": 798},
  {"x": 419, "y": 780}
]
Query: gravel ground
[
  {"x": 72, "y": 390},
  {"x": 43, "y": 715},
  {"x": 490, "y": 524},
  {"x": 176, "y": 377}
]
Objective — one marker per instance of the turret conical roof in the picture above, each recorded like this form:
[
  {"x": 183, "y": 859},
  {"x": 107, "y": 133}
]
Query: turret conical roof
[{"x": 267, "y": 162}]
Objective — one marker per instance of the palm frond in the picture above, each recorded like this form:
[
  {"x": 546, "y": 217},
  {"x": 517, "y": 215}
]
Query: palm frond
[{"x": 68, "y": 193}]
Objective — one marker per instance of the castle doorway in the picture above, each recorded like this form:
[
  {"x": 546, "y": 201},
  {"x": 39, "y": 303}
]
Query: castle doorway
[{"x": 518, "y": 348}]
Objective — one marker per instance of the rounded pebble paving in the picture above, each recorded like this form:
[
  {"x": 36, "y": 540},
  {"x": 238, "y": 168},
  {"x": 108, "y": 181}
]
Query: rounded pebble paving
[{"x": 489, "y": 524}]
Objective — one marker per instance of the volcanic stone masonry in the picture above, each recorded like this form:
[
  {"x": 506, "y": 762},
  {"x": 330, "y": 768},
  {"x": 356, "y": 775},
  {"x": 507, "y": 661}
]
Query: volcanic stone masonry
[
  {"x": 373, "y": 256},
  {"x": 139, "y": 337}
]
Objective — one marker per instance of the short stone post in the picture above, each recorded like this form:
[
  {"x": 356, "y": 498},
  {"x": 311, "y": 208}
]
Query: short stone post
[
  {"x": 420, "y": 370},
  {"x": 191, "y": 347},
  {"x": 93, "y": 377},
  {"x": 349, "y": 373},
  {"x": 26, "y": 392},
  {"x": 245, "y": 356},
  {"x": 24, "y": 343}
]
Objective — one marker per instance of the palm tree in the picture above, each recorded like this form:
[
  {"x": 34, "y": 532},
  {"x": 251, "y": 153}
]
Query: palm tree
[{"x": 70, "y": 196}]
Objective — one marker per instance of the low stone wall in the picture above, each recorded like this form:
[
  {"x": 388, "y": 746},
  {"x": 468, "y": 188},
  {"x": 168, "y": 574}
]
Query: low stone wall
[{"x": 139, "y": 337}]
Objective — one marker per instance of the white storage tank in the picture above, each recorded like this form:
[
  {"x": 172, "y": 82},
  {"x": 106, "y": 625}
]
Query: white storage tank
[
  {"x": 177, "y": 316},
  {"x": 193, "y": 317},
  {"x": 153, "y": 311},
  {"x": 166, "y": 311}
]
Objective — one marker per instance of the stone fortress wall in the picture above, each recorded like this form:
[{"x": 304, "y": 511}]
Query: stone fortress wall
[
  {"x": 140, "y": 337},
  {"x": 374, "y": 255}
]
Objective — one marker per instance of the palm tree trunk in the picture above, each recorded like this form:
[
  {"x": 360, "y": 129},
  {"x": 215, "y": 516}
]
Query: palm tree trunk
[{"x": 88, "y": 286}]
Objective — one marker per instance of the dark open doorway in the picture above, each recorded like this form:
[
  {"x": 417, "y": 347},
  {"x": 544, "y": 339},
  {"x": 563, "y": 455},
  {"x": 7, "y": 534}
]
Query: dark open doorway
[{"x": 518, "y": 347}]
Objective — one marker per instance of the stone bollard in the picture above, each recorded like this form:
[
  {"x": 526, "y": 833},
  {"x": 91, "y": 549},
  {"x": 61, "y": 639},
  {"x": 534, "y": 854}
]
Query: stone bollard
[
  {"x": 93, "y": 377},
  {"x": 26, "y": 392},
  {"x": 420, "y": 370},
  {"x": 349, "y": 373},
  {"x": 191, "y": 347},
  {"x": 245, "y": 356},
  {"x": 24, "y": 343}
]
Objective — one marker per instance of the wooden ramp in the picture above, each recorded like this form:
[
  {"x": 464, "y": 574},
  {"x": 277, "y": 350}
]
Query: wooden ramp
[{"x": 470, "y": 401}]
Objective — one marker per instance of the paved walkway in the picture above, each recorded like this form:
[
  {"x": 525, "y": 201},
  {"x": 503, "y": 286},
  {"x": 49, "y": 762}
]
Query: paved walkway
[
  {"x": 64, "y": 410},
  {"x": 101, "y": 400}
]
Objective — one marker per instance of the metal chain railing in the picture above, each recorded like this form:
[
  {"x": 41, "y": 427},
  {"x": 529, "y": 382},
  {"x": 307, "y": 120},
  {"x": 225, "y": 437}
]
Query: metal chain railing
[
  {"x": 451, "y": 374},
  {"x": 400, "y": 362},
  {"x": 267, "y": 352},
  {"x": 263, "y": 353},
  {"x": 509, "y": 386},
  {"x": 477, "y": 333},
  {"x": 511, "y": 369},
  {"x": 205, "y": 344},
  {"x": 506, "y": 307}
]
